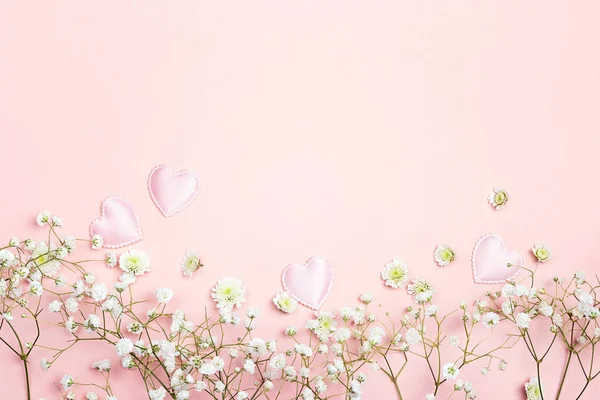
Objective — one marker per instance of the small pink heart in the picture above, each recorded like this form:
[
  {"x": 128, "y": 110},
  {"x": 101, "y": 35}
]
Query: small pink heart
[
  {"x": 491, "y": 258},
  {"x": 118, "y": 223},
  {"x": 172, "y": 191},
  {"x": 308, "y": 283}
]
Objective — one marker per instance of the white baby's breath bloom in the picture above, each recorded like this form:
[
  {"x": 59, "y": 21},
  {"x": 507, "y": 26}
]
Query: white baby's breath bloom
[
  {"x": 229, "y": 292},
  {"x": 190, "y": 264},
  {"x": 498, "y": 198},
  {"x": 99, "y": 291},
  {"x": 443, "y": 255},
  {"x": 413, "y": 336},
  {"x": 102, "y": 365},
  {"x": 43, "y": 218},
  {"x": 366, "y": 298},
  {"x": 158, "y": 394},
  {"x": 523, "y": 320},
  {"x": 36, "y": 288},
  {"x": 97, "y": 242},
  {"x": 541, "y": 252},
  {"x": 395, "y": 273},
  {"x": 291, "y": 330},
  {"x": 284, "y": 302},
  {"x": 164, "y": 295},
  {"x": 533, "y": 389},
  {"x": 124, "y": 346},
  {"x": 134, "y": 262},
  {"x": 249, "y": 365},
  {"x": 278, "y": 362},
  {"x": 110, "y": 258},
  {"x": 429, "y": 396},
  {"x": 490, "y": 319},
  {"x": 54, "y": 306},
  {"x": 44, "y": 364},
  {"x": 453, "y": 341},
  {"x": 508, "y": 290},
  {"x": 545, "y": 309},
  {"x": 57, "y": 221},
  {"x": 91, "y": 323},
  {"x": 450, "y": 371},
  {"x": 71, "y": 305},
  {"x": 66, "y": 381}
]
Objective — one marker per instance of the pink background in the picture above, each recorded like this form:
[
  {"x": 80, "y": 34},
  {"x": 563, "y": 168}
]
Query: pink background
[{"x": 357, "y": 132}]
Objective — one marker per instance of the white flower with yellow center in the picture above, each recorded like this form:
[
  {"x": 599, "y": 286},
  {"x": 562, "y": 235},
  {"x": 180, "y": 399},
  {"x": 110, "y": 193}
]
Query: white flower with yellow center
[
  {"x": 443, "y": 255},
  {"x": 395, "y": 273},
  {"x": 189, "y": 265},
  {"x": 533, "y": 389},
  {"x": 421, "y": 290},
  {"x": 44, "y": 258},
  {"x": 498, "y": 198},
  {"x": 134, "y": 262},
  {"x": 284, "y": 302},
  {"x": 229, "y": 292},
  {"x": 541, "y": 252}
]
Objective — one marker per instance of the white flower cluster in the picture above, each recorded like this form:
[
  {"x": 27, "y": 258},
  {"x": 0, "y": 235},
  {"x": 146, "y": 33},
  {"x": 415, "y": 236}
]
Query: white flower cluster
[{"x": 177, "y": 355}]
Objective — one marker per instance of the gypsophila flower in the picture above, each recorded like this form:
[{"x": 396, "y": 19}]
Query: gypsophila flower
[
  {"x": 413, "y": 336},
  {"x": 498, "y": 198},
  {"x": 66, "y": 381},
  {"x": 429, "y": 396},
  {"x": 523, "y": 320},
  {"x": 124, "y": 346},
  {"x": 366, "y": 298},
  {"x": 502, "y": 365},
  {"x": 158, "y": 394},
  {"x": 99, "y": 291},
  {"x": 97, "y": 242},
  {"x": 134, "y": 262},
  {"x": 110, "y": 258},
  {"x": 443, "y": 255},
  {"x": 284, "y": 302},
  {"x": 395, "y": 273},
  {"x": 44, "y": 364},
  {"x": 43, "y": 218},
  {"x": 102, "y": 365},
  {"x": 291, "y": 330},
  {"x": 164, "y": 295},
  {"x": 490, "y": 319},
  {"x": 450, "y": 371},
  {"x": 190, "y": 264}
]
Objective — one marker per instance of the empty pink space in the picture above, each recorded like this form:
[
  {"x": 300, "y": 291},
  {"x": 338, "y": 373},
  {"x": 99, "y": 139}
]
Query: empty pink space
[{"x": 353, "y": 131}]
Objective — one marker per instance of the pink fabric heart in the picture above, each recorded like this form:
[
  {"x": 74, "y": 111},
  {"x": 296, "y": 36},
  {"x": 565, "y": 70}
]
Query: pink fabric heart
[
  {"x": 172, "y": 191},
  {"x": 118, "y": 223},
  {"x": 308, "y": 283},
  {"x": 491, "y": 258}
]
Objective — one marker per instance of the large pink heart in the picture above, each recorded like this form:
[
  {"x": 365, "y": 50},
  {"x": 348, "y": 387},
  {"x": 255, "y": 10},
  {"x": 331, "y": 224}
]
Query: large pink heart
[
  {"x": 308, "y": 283},
  {"x": 491, "y": 258},
  {"x": 171, "y": 190},
  {"x": 118, "y": 223}
]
